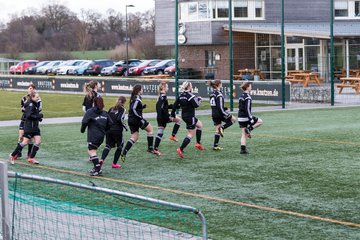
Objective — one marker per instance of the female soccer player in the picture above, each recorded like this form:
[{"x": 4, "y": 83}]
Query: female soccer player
[
  {"x": 31, "y": 117},
  {"x": 98, "y": 122},
  {"x": 91, "y": 92},
  {"x": 31, "y": 88},
  {"x": 136, "y": 121},
  {"x": 219, "y": 113},
  {"x": 188, "y": 102},
  {"x": 163, "y": 117},
  {"x": 246, "y": 121},
  {"x": 115, "y": 135}
]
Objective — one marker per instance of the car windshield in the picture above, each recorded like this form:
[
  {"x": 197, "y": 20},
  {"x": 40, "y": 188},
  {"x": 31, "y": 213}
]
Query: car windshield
[{"x": 162, "y": 63}]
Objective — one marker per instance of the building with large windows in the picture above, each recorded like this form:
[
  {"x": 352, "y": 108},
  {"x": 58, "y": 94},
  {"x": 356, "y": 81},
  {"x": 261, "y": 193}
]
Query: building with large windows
[{"x": 256, "y": 27}]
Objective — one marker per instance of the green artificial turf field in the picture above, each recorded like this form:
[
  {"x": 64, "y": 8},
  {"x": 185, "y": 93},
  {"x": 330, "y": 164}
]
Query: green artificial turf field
[{"x": 300, "y": 181}]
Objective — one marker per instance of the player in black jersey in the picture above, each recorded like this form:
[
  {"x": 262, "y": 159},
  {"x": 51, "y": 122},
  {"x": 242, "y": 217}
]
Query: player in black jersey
[
  {"x": 188, "y": 102},
  {"x": 30, "y": 89},
  {"x": 114, "y": 137},
  {"x": 136, "y": 121},
  {"x": 246, "y": 120},
  {"x": 91, "y": 92},
  {"x": 163, "y": 117},
  {"x": 98, "y": 122},
  {"x": 219, "y": 113},
  {"x": 31, "y": 117}
]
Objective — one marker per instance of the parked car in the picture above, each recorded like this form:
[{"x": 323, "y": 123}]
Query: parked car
[
  {"x": 47, "y": 69},
  {"x": 32, "y": 69},
  {"x": 120, "y": 67},
  {"x": 170, "y": 70},
  {"x": 138, "y": 70},
  {"x": 79, "y": 70},
  {"x": 96, "y": 66},
  {"x": 12, "y": 69},
  {"x": 159, "y": 68},
  {"x": 107, "y": 71},
  {"x": 71, "y": 64},
  {"x": 20, "y": 69}
]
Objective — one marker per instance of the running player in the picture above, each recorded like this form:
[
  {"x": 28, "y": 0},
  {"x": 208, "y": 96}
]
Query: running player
[
  {"x": 31, "y": 118},
  {"x": 136, "y": 121},
  {"x": 219, "y": 113},
  {"x": 163, "y": 117},
  {"x": 91, "y": 92},
  {"x": 98, "y": 122},
  {"x": 247, "y": 121},
  {"x": 115, "y": 135},
  {"x": 188, "y": 102}
]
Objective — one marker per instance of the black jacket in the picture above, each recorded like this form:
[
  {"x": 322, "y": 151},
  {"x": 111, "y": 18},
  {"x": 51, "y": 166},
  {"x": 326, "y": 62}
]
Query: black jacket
[
  {"x": 187, "y": 102},
  {"x": 32, "y": 116},
  {"x": 98, "y": 122},
  {"x": 88, "y": 102},
  {"x": 162, "y": 107},
  {"x": 217, "y": 105},
  {"x": 244, "y": 113},
  {"x": 136, "y": 108},
  {"x": 117, "y": 117}
]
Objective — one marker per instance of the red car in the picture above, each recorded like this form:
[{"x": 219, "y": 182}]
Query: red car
[
  {"x": 138, "y": 70},
  {"x": 20, "y": 68},
  {"x": 170, "y": 70}
]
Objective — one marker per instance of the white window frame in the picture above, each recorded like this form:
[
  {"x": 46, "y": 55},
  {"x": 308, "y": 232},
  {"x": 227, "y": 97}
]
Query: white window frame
[{"x": 350, "y": 9}]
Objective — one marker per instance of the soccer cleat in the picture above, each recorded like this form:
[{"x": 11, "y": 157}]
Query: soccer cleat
[
  {"x": 217, "y": 148},
  {"x": 12, "y": 159},
  {"x": 95, "y": 172},
  {"x": 101, "y": 163},
  {"x": 199, "y": 146},
  {"x": 157, "y": 152},
  {"x": 244, "y": 151},
  {"x": 247, "y": 133},
  {"x": 173, "y": 138},
  {"x": 33, "y": 161},
  {"x": 122, "y": 158},
  {"x": 115, "y": 165},
  {"x": 181, "y": 154},
  {"x": 221, "y": 131}
]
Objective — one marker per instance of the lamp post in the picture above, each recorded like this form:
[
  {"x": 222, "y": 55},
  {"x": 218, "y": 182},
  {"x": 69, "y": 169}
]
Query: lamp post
[{"x": 127, "y": 40}]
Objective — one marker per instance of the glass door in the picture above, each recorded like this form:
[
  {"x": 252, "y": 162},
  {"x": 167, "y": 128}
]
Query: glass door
[{"x": 295, "y": 58}]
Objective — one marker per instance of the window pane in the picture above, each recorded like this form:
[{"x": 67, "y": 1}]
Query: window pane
[
  {"x": 312, "y": 58},
  {"x": 262, "y": 40},
  {"x": 258, "y": 8},
  {"x": 241, "y": 8},
  {"x": 341, "y": 8},
  {"x": 276, "y": 59},
  {"x": 222, "y": 9},
  {"x": 192, "y": 11},
  {"x": 357, "y": 8},
  {"x": 275, "y": 40},
  {"x": 294, "y": 40}
]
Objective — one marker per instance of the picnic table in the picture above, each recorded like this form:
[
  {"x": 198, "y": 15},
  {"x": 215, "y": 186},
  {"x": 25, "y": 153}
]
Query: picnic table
[
  {"x": 305, "y": 78},
  {"x": 248, "y": 74},
  {"x": 156, "y": 76},
  {"x": 352, "y": 82}
]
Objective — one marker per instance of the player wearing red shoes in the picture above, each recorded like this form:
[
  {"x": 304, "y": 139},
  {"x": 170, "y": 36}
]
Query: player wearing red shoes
[
  {"x": 136, "y": 121},
  {"x": 163, "y": 117},
  {"x": 187, "y": 101},
  {"x": 114, "y": 137},
  {"x": 246, "y": 120},
  {"x": 219, "y": 113},
  {"x": 31, "y": 117}
]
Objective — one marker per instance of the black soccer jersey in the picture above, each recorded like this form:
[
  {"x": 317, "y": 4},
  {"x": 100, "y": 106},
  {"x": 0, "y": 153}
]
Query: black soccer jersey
[
  {"x": 98, "y": 122},
  {"x": 187, "y": 102},
  {"x": 136, "y": 108},
  {"x": 244, "y": 113},
  {"x": 88, "y": 101},
  {"x": 162, "y": 107},
  {"x": 217, "y": 105},
  {"x": 31, "y": 116},
  {"x": 118, "y": 119},
  {"x": 22, "y": 105}
]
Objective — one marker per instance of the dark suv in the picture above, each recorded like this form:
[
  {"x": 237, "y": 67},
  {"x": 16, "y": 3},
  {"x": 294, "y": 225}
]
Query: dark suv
[
  {"x": 120, "y": 67},
  {"x": 96, "y": 66}
]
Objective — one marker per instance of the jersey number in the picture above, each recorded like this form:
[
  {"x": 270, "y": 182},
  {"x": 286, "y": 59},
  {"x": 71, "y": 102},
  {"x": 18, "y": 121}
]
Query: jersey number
[{"x": 212, "y": 102}]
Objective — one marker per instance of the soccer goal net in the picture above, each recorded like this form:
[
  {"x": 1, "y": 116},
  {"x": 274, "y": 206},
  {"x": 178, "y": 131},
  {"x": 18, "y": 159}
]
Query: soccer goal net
[{"x": 45, "y": 208}]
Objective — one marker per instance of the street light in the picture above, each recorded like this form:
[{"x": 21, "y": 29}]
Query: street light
[{"x": 127, "y": 39}]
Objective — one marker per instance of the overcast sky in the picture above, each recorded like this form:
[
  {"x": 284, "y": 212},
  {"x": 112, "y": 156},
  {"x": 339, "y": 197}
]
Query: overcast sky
[{"x": 8, "y": 7}]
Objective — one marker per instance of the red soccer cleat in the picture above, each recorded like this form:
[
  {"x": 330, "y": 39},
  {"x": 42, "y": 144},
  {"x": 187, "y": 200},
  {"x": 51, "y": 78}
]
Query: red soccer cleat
[
  {"x": 181, "y": 154},
  {"x": 12, "y": 159},
  {"x": 199, "y": 146},
  {"x": 115, "y": 165},
  {"x": 33, "y": 161},
  {"x": 157, "y": 152},
  {"x": 172, "y": 138}
]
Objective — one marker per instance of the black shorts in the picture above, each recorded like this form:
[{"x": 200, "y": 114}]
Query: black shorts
[
  {"x": 162, "y": 122},
  {"x": 114, "y": 138},
  {"x": 190, "y": 122},
  {"x": 247, "y": 123},
  {"x": 219, "y": 120},
  {"x": 136, "y": 124},
  {"x": 94, "y": 145},
  {"x": 30, "y": 135},
  {"x": 21, "y": 125}
]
